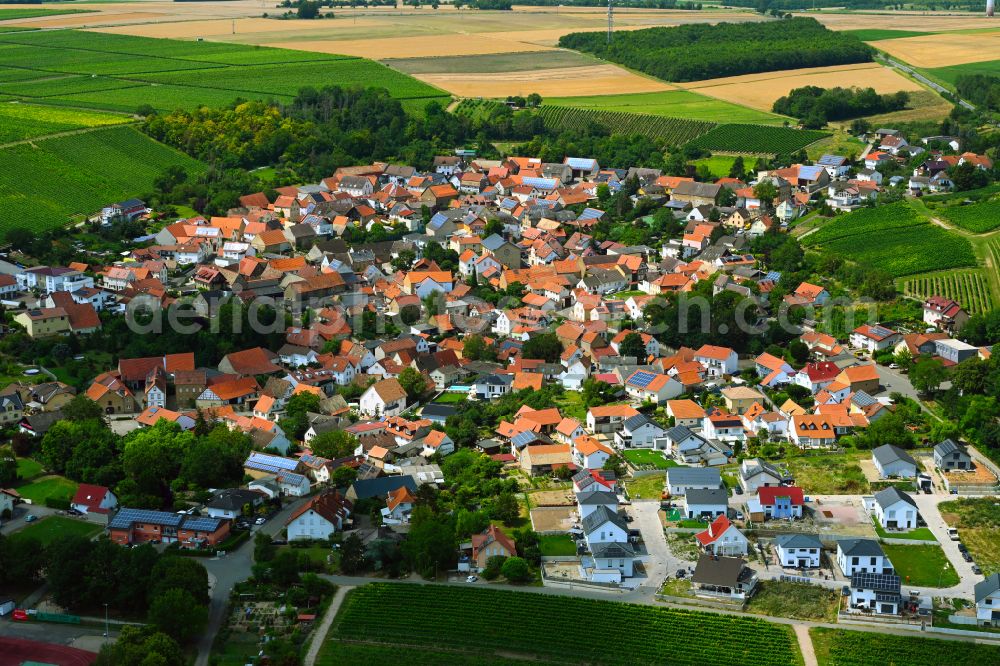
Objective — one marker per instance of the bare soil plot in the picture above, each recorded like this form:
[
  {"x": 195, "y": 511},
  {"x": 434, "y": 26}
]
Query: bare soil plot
[
  {"x": 759, "y": 91},
  {"x": 552, "y": 519},
  {"x": 559, "y": 82},
  {"x": 561, "y": 497},
  {"x": 943, "y": 50}
]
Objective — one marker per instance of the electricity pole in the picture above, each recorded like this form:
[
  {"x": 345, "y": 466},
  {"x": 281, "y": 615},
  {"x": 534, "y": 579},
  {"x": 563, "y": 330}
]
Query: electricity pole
[{"x": 611, "y": 19}]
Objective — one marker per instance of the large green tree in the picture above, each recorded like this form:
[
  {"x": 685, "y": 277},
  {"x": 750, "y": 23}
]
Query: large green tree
[{"x": 178, "y": 614}]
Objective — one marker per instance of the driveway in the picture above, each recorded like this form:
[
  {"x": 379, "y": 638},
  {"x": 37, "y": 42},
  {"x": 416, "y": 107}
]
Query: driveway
[
  {"x": 928, "y": 507},
  {"x": 659, "y": 561},
  {"x": 893, "y": 381}
]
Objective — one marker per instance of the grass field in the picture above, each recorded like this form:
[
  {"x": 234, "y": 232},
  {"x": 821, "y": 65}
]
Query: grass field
[
  {"x": 91, "y": 169},
  {"x": 26, "y": 121},
  {"x": 799, "y": 601},
  {"x": 646, "y": 487},
  {"x": 518, "y": 624},
  {"x": 50, "y": 528},
  {"x": 925, "y": 566},
  {"x": 719, "y": 165},
  {"x": 28, "y": 469},
  {"x": 553, "y": 545},
  {"x": 829, "y": 474},
  {"x": 674, "y": 103},
  {"x": 840, "y": 647},
  {"x": 978, "y": 523},
  {"x": 648, "y": 457},
  {"x": 971, "y": 288},
  {"x": 45, "y": 487}
]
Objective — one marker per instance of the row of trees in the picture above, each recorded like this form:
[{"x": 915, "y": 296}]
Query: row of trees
[{"x": 815, "y": 106}]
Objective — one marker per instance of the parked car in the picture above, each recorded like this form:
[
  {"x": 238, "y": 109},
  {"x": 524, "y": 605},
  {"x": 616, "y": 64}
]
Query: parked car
[
  {"x": 19, "y": 615},
  {"x": 962, "y": 548},
  {"x": 74, "y": 512},
  {"x": 953, "y": 533},
  {"x": 260, "y": 521},
  {"x": 30, "y": 518},
  {"x": 471, "y": 579},
  {"x": 966, "y": 556},
  {"x": 976, "y": 570},
  {"x": 681, "y": 573}
]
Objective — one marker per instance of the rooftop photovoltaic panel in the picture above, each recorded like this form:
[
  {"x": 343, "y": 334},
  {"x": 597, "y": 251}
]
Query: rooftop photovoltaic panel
[
  {"x": 128, "y": 517},
  {"x": 880, "y": 331},
  {"x": 875, "y": 581},
  {"x": 201, "y": 524},
  {"x": 641, "y": 379}
]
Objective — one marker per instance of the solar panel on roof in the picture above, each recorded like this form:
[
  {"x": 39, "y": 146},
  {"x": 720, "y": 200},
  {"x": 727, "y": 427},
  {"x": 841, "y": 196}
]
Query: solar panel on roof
[
  {"x": 880, "y": 331},
  {"x": 641, "y": 379},
  {"x": 201, "y": 524},
  {"x": 875, "y": 581},
  {"x": 125, "y": 518}
]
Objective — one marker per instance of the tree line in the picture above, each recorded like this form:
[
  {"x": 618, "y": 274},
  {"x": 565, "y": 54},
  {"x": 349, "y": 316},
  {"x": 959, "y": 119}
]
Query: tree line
[
  {"x": 815, "y": 106},
  {"x": 699, "y": 51},
  {"x": 982, "y": 90}
]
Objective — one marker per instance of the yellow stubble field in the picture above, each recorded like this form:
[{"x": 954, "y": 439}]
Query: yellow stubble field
[
  {"x": 561, "y": 82},
  {"x": 944, "y": 50},
  {"x": 759, "y": 91}
]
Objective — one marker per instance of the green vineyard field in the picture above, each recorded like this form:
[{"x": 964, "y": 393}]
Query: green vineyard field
[
  {"x": 675, "y": 131},
  {"x": 839, "y": 647},
  {"x": 26, "y": 121},
  {"x": 55, "y": 181},
  {"x": 866, "y": 221},
  {"x": 496, "y": 622},
  {"x": 969, "y": 288},
  {"x": 978, "y": 218},
  {"x": 757, "y": 139}
]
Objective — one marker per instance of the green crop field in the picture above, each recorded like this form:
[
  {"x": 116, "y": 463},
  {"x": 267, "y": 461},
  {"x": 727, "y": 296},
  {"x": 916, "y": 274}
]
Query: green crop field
[
  {"x": 53, "y": 180},
  {"x": 878, "y": 34},
  {"x": 14, "y": 14},
  {"x": 26, "y": 121},
  {"x": 977, "y": 218},
  {"x": 495, "y": 623},
  {"x": 491, "y": 62},
  {"x": 673, "y": 103},
  {"x": 367, "y": 654},
  {"x": 757, "y": 139},
  {"x": 839, "y": 647},
  {"x": 970, "y": 288},
  {"x": 948, "y": 75},
  {"x": 119, "y": 72}
]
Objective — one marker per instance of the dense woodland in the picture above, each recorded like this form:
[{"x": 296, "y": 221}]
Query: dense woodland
[
  {"x": 980, "y": 89},
  {"x": 697, "y": 52},
  {"x": 816, "y": 106}
]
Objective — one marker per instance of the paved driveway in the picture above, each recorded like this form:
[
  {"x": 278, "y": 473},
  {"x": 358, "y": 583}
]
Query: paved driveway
[{"x": 660, "y": 561}]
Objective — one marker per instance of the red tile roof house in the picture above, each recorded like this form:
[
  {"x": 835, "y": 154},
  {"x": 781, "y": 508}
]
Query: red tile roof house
[
  {"x": 481, "y": 547},
  {"x": 320, "y": 517},
  {"x": 722, "y": 538},
  {"x": 94, "y": 499}
]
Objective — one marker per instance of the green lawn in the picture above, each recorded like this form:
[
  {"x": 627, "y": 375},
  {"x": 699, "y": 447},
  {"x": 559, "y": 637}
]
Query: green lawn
[
  {"x": 649, "y": 457},
  {"x": 720, "y": 165},
  {"x": 674, "y": 103},
  {"x": 646, "y": 487},
  {"x": 449, "y": 398},
  {"x": 28, "y": 469},
  {"x": 693, "y": 524},
  {"x": 48, "y": 486},
  {"x": 50, "y": 528},
  {"x": 799, "y": 601},
  {"x": 921, "y": 565},
  {"x": 919, "y": 534},
  {"x": 570, "y": 404},
  {"x": 554, "y": 545}
]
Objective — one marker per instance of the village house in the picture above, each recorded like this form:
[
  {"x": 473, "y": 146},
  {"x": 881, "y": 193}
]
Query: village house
[
  {"x": 798, "y": 551},
  {"x": 476, "y": 552},
  {"x": 893, "y": 509},
  {"x": 949, "y": 456},
  {"x": 726, "y": 577},
  {"x": 987, "y": 593},
  {"x": 383, "y": 398},
  {"x": 722, "y": 538},
  {"x": 893, "y": 462},
  {"x": 862, "y": 556},
  {"x": 136, "y": 526},
  {"x": 776, "y": 503},
  {"x": 318, "y": 518}
]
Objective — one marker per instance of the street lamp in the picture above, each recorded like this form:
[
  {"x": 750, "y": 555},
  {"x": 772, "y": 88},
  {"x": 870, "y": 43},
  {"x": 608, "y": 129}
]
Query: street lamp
[
  {"x": 940, "y": 575},
  {"x": 105, "y": 620}
]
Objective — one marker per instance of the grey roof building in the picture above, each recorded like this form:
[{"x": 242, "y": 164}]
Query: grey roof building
[
  {"x": 600, "y": 516},
  {"x": 797, "y": 541},
  {"x": 860, "y": 548}
]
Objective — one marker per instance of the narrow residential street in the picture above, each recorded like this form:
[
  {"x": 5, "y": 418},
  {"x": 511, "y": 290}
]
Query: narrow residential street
[
  {"x": 660, "y": 562},
  {"x": 225, "y": 572}
]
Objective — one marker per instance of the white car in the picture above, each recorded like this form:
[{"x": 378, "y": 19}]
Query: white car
[
  {"x": 471, "y": 579},
  {"x": 260, "y": 521}
]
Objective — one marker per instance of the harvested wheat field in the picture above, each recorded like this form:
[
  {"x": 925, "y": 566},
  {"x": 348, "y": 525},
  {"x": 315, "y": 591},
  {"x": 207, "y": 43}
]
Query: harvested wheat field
[
  {"x": 85, "y": 20},
  {"x": 409, "y": 47},
  {"x": 920, "y": 21},
  {"x": 944, "y": 50},
  {"x": 759, "y": 91},
  {"x": 560, "y": 82}
]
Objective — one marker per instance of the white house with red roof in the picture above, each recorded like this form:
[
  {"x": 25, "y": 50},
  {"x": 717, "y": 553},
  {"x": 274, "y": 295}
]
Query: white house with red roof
[
  {"x": 94, "y": 499},
  {"x": 776, "y": 503},
  {"x": 320, "y": 517},
  {"x": 817, "y": 376},
  {"x": 717, "y": 361},
  {"x": 722, "y": 538},
  {"x": 874, "y": 338},
  {"x": 944, "y": 313}
]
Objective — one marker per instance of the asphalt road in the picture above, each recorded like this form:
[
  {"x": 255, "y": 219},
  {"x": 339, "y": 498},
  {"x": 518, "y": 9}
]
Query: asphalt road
[{"x": 225, "y": 572}]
